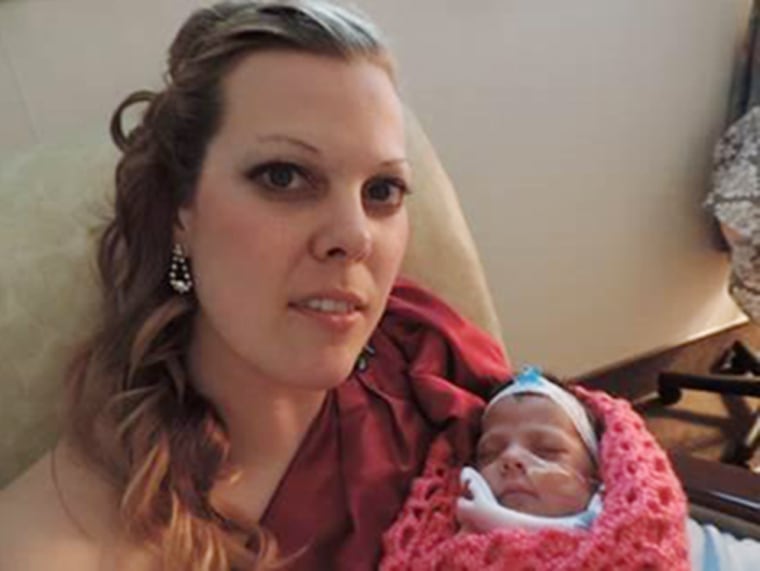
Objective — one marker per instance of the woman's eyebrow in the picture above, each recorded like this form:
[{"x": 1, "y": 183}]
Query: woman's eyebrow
[
  {"x": 401, "y": 162},
  {"x": 400, "y": 165},
  {"x": 275, "y": 138}
]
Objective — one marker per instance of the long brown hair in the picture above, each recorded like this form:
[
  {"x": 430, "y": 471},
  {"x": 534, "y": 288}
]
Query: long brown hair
[{"x": 133, "y": 412}]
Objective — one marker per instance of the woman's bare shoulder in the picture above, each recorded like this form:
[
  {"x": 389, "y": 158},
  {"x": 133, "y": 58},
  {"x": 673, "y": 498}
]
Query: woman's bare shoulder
[
  {"x": 61, "y": 514},
  {"x": 35, "y": 531}
]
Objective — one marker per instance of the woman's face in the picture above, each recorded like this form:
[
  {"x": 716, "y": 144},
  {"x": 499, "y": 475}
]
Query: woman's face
[
  {"x": 298, "y": 226},
  {"x": 533, "y": 458}
]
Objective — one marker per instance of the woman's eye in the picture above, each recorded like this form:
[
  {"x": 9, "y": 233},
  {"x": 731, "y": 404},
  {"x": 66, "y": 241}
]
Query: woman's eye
[
  {"x": 281, "y": 176},
  {"x": 278, "y": 176},
  {"x": 385, "y": 192}
]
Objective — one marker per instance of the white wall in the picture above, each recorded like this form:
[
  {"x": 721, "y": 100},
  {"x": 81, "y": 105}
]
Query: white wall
[{"x": 578, "y": 133}]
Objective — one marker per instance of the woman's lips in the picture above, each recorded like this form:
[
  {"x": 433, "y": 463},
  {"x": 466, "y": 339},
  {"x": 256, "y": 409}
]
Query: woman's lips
[
  {"x": 336, "y": 310},
  {"x": 331, "y": 300}
]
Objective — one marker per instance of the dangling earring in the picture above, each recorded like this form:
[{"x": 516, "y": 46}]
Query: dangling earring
[{"x": 179, "y": 271}]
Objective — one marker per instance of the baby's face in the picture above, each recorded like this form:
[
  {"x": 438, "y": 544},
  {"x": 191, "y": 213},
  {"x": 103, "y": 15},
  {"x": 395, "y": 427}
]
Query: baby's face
[{"x": 533, "y": 458}]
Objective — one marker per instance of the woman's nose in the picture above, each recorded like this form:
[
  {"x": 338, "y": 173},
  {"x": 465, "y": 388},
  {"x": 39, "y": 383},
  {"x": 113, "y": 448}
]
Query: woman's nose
[{"x": 345, "y": 234}]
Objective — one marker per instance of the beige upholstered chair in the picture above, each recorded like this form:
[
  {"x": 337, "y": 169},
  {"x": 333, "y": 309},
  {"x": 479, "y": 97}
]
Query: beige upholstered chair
[{"x": 53, "y": 201}]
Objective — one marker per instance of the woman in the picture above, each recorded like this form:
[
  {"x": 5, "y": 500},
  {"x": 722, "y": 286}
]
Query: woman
[{"x": 261, "y": 389}]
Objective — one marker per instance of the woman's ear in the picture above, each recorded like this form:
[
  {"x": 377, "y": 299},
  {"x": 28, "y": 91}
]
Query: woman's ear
[{"x": 183, "y": 225}]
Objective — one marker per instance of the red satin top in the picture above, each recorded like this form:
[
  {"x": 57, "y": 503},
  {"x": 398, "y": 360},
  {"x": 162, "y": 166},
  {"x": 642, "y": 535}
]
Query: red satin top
[{"x": 427, "y": 372}]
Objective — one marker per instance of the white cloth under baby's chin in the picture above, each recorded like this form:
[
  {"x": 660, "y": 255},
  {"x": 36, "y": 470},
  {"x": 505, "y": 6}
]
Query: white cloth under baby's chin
[
  {"x": 484, "y": 513},
  {"x": 709, "y": 548}
]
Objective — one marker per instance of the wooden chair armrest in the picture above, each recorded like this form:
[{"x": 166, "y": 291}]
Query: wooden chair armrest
[{"x": 728, "y": 489}]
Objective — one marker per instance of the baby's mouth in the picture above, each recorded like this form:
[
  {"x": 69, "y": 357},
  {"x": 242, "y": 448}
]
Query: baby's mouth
[{"x": 515, "y": 494}]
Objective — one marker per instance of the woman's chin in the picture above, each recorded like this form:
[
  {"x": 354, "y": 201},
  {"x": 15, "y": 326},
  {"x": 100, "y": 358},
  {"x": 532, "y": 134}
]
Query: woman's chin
[{"x": 321, "y": 376}]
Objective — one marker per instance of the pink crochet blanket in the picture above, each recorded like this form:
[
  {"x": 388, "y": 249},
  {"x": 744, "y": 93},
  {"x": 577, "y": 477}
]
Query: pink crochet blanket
[{"x": 642, "y": 525}]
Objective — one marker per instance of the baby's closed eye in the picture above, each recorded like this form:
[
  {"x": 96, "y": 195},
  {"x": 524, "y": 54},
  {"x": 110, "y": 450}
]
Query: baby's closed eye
[
  {"x": 488, "y": 450},
  {"x": 549, "y": 446},
  {"x": 550, "y": 452}
]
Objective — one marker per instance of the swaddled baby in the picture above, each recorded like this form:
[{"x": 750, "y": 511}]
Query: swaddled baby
[
  {"x": 536, "y": 460},
  {"x": 546, "y": 491}
]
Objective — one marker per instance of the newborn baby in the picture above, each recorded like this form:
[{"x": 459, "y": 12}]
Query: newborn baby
[
  {"x": 536, "y": 460},
  {"x": 534, "y": 498}
]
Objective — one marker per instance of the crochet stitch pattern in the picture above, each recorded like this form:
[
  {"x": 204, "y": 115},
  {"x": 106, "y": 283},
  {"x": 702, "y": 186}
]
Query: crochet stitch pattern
[{"x": 642, "y": 525}]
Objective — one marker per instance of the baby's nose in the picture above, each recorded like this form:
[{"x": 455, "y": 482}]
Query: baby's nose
[{"x": 512, "y": 460}]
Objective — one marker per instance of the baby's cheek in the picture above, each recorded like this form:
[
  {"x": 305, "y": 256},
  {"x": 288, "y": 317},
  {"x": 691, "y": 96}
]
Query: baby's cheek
[
  {"x": 569, "y": 494},
  {"x": 490, "y": 475}
]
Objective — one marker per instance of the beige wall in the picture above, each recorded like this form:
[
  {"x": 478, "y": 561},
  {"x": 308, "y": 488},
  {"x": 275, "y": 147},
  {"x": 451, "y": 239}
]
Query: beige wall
[{"x": 578, "y": 133}]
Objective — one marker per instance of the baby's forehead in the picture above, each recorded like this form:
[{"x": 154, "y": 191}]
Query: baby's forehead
[
  {"x": 515, "y": 400},
  {"x": 533, "y": 409}
]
